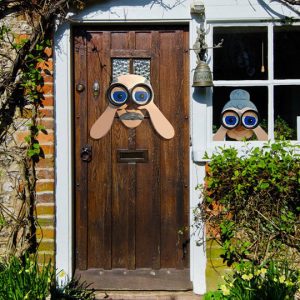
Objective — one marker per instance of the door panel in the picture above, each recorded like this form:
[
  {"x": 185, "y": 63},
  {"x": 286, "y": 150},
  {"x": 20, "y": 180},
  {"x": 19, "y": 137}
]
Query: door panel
[{"x": 127, "y": 215}]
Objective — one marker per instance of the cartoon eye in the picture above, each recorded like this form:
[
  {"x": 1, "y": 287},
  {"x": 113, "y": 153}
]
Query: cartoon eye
[
  {"x": 230, "y": 119},
  {"x": 117, "y": 94},
  {"x": 250, "y": 119},
  {"x": 141, "y": 94}
]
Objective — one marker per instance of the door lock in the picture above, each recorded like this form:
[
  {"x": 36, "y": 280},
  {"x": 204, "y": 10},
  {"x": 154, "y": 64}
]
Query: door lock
[{"x": 86, "y": 153}]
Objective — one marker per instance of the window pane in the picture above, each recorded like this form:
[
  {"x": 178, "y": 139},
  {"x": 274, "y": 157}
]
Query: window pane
[
  {"x": 243, "y": 55},
  {"x": 286, "y": 52},
  {"x": 142, "y": 67},
  {"x": 258, "y": 97},
  {"x": 286, "y": 111},
  {"x": 120, "y": 66}
]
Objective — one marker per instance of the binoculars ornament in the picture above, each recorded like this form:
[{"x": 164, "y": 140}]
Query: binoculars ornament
[
  {"x": 240, "y": 119},
  {"x": 128, "y": 96}
]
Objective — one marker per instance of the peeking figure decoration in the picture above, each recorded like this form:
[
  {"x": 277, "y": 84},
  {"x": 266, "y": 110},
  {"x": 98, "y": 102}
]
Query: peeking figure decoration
[
  {"x": 240, "y": 119},
  {"x": 128, "y": 95}
]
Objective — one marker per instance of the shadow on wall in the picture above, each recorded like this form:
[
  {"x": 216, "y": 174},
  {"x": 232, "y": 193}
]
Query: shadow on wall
[
  {"x": 276, "y": 14},
  {"x": 166, "y": 4},
  {"x": 93, "y": 7}
]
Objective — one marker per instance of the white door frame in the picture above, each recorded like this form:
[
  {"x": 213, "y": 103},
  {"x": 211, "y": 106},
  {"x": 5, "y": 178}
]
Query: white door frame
[{"x": 118, "y": 12}]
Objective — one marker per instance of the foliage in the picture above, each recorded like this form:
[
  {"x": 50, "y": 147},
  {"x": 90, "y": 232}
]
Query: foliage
[
  {"x": 24, "y": 63},
  {"x": 72, "y": 290},
  {"x": 272, "y": 281},
  {"x": 22, "y": 278},
  {"x": 282, "y": 130},
  {"x": 252, "y": 202}
]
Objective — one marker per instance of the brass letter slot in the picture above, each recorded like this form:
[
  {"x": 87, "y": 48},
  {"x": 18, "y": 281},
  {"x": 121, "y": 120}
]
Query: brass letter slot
[{"x": 132, "y": 156}]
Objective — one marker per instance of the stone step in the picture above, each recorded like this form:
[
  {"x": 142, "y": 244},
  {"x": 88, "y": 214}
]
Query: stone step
[{"x": 157, "y": 295}]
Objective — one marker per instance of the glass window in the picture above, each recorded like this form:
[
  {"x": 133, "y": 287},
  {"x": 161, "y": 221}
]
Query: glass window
[
  {"x": 286, "y": 112},
  {"x": 286, "y": 52},
  {"x": 122, "y": 66},
  {"x": 142, "y": 67},
  {"x": 243, "y": 55},
  {"x": 275, "y": 92}
]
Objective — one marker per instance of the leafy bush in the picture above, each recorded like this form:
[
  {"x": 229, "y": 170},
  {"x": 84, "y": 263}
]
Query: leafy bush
[
  {"x": 274, "y": 281},
  {"x": 251, "y": 202},
  {"x": 23, "y": 278}
]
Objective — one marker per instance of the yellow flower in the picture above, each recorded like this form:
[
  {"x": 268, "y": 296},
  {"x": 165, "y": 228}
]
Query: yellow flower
[
  {"x": 289, "y": 283},
  {"x": 247, "y": 277},
  {"x": 263, "y": 271},
  {"x": 225, "y": 290},
  {"x": 282, "y": 279}
]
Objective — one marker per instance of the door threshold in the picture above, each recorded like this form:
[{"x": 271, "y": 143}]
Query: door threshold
[
  {"x": 137, "y": 280},
  {"x": 147, "y": 295}
]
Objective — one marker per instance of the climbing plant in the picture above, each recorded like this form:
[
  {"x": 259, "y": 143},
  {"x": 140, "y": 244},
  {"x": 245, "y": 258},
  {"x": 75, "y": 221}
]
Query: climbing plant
[{"x": 24, "y": 63}]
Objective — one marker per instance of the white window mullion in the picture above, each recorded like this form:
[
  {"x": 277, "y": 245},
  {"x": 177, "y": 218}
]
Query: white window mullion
[
  {"x": 270, "y": 81},
  {"x": 240, "y": 83},
  {"x": 271, "y": 112},
  {"x": 271, "y": 52}
]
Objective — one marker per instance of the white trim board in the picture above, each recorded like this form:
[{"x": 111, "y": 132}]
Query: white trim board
[{"x": 121, "y": 12}]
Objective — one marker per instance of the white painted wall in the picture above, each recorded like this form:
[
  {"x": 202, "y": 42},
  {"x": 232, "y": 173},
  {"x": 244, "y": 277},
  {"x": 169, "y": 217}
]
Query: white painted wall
[{"x": 247, "y": 10}]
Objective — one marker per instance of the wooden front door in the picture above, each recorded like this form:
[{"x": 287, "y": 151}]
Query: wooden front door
[{"x": 129, "y": 211}]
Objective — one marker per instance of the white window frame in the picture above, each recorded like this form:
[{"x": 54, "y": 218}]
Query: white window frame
[{"x": 270, "y": 83}]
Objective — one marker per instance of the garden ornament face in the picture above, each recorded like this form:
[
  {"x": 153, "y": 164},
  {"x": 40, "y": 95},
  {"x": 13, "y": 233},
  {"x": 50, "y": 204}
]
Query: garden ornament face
[
  {"x": 128, "y": 95},
  {"x": 240, "y": 119}
]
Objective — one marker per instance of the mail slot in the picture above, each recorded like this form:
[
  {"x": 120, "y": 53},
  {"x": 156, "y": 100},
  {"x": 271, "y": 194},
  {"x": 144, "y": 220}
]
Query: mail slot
[{"x": 132, "y": 156}]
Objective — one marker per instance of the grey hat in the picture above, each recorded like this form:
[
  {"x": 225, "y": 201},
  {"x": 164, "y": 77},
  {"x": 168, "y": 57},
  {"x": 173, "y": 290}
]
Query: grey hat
[{"x": 239, "y": 99}]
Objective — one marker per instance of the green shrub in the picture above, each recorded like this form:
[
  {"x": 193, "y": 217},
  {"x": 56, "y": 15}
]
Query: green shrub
[
  {"x": 251, "y": 207},
  {"x": 252, "y": 200},
  {"x": 23, "y": 278}
]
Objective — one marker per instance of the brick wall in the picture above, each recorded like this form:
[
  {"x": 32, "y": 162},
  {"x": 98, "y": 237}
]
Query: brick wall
[
  {"x": 45, "y": 205},
  {"x": 45, "y": 168},
  {"x": 215, "y": 268}
]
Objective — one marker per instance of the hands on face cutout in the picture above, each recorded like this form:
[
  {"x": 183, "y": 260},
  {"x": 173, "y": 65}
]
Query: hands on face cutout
[
  {"x": 240, "y": 119},
  {"x": 128, "y": 95}
]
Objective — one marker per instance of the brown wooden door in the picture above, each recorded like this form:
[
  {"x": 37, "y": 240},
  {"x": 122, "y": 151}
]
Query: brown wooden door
[{"x": 128, "y": 215}]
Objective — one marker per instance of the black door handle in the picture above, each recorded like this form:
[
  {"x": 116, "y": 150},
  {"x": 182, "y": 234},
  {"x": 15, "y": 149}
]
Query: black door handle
[{"x": 86, "y": 153}]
